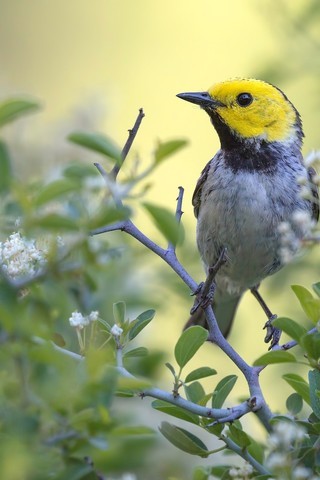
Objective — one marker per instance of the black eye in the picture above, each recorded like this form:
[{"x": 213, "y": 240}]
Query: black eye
[{"x": 244, "y": 99}]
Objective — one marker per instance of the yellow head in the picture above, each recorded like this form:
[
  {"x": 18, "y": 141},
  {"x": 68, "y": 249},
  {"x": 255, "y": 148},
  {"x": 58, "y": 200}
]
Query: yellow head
[{"x": 249, "y": 109}]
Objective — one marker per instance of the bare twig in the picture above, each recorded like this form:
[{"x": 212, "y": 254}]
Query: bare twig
[
  {"x": 293, "y": 343},
  {"x": 132, "y": 135},
  {"x": 178, "y": 215}
]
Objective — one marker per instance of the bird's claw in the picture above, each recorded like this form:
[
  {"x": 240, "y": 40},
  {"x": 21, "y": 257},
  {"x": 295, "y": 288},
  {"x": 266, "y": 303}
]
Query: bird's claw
[
  {"x": 204, "y": 296},
  {"x": 273, "y": 334}
]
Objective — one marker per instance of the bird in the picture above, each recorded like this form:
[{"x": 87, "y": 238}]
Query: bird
[{"x": 248, "y": 190}]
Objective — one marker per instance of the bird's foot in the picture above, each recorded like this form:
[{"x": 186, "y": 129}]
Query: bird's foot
[
  {"x": 205, "y": 291},
  {"x": 273, "y": 334},
  {"x": 204, "y": 296}
]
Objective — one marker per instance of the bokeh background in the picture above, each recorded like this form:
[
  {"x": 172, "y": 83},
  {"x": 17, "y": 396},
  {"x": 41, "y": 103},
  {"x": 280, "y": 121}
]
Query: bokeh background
[{"x": 92, "y": 65}]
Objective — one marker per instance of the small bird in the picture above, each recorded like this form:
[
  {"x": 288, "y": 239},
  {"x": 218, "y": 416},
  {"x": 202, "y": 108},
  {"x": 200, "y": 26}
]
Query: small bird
[{"x": 249, "y": 189}]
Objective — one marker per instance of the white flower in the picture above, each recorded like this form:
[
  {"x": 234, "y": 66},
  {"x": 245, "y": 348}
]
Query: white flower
[
  {"x": 93, "y": 316},
  {"x": 312, "y": 158},
  {"x": 116, "y": 331},
  {"x": 20, "y": 256},
  {"x": 285, "y": 434},
  {"x": 276, "y": 460},
  {"x": 301, "y": 473},
  {"x": 77, "y": 320}
]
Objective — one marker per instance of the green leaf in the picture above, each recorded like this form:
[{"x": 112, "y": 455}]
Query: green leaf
[
  {"x": 136, "y": 352},
  {"x": 119, "y": 313},
  {"x": 194, "y": 392},
  {"x": 165, "y": 149},
  {"x": 165, "y": 221},
  {"x": 97, "y": 142},
  {"x": 309, "y": 304},
  {"x": 54, "y": 221},
  {"x": 5, "y": 168},
  {"x": 311, "y": 344},
  {"x": 12, "y": 109},
  {"x": 184, "y": 440},
  {"x": 290, "y": 327},
  {"x": 299, "y": 385},
  {"x": 140, "y": 323},
  {"x": 201, "y": 473},
  {"x": 189, "y": 343},
  {"x": 314, "y": 381},
  {"x": 175, "y": 411},
  {"x": 316, "y": 288},
  {"x": 170, "y": 367},
  {"x": 222, "y": 390},
  {"x": 294, "y": 403},
  {"x": 200, "y": 372},
  {"x": 239, "y": 436},
  {"x": 276, "y": 356},
  {"x": 55, "y": 190}
]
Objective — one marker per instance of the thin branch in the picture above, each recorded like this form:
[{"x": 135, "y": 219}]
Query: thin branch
[
  {"x": 293, "y": 343},
  {"x": 220, "y": 415},
  {"x": 243, "y": 452},
  {"x": 178, "y": 215},
  {"x": 132, "y": 135}
]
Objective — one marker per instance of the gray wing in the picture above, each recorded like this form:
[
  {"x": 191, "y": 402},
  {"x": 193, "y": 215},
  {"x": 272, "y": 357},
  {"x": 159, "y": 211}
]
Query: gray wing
[{"x": 196, "y": 198}]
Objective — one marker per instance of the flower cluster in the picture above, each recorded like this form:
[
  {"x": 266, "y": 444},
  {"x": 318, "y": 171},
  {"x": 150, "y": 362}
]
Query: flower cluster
[
  {"x": 241, "y": 473},
  {"x": 80, "y": 321},
  {"x": 21, "y": 257},
  {"x": 283, "y": 442},
  {"x": 292, "y": 234}
]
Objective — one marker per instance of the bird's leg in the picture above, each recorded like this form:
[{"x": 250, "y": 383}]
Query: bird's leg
[
  {"x": 273, "y": 334},
  {"x": 205, "y": 291}
]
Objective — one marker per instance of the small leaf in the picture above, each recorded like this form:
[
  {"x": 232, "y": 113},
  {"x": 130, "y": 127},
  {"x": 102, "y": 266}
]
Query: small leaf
[
  {"x": 276, "y": 356},
  {"x": 136, "y": 352},
  {"x": 222, "y": 390},
  {"x": 140, "y": 323},
  {"x": 170, "y": 367},
  {"x": 184, "y": 440},
  {"x": 5, "y": 168},
  {"x": 309, "y": 304},
  {"x": 97, "y": 142},
  {"x": 165, "y": 221},
  {"x": 314, "y": 381},
  {"x": 194, "y": 392},
  {"x": 119, "y": 313},
  {"x": 54, "y": 221},
  {"x": 299, "y": 385},
  {"x": 189, "y": 343},
  {"x": 290, "y": 327},
  {"x": 58, "y": 339},
  {"x": 165, "y": 149},
  {"x": 239, "y": 436},
  {"x": 175, "y": 411},
  {"x": 294, "y": 403},
  {"x": 316, "y": 288},
  {"x": 200, "y": 372},
  {"x": 311, "y": 344},
  {"x": 55, "y": 190},
  {"x": 12, "y": 109}
]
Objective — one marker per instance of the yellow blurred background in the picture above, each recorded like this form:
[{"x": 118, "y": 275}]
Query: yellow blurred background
[{"x": 96, "y": 62}]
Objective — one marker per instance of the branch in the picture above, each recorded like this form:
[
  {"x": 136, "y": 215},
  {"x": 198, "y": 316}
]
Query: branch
[
  {"x": 293, "y": 343},
  {"x": 132, "y": 135}
]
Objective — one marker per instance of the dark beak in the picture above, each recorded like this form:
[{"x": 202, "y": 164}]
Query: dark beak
[{"x": 199, "y": 98}]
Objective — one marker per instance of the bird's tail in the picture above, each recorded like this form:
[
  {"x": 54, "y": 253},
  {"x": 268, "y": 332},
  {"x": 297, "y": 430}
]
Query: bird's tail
[{"x": 224, "y": 309}]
